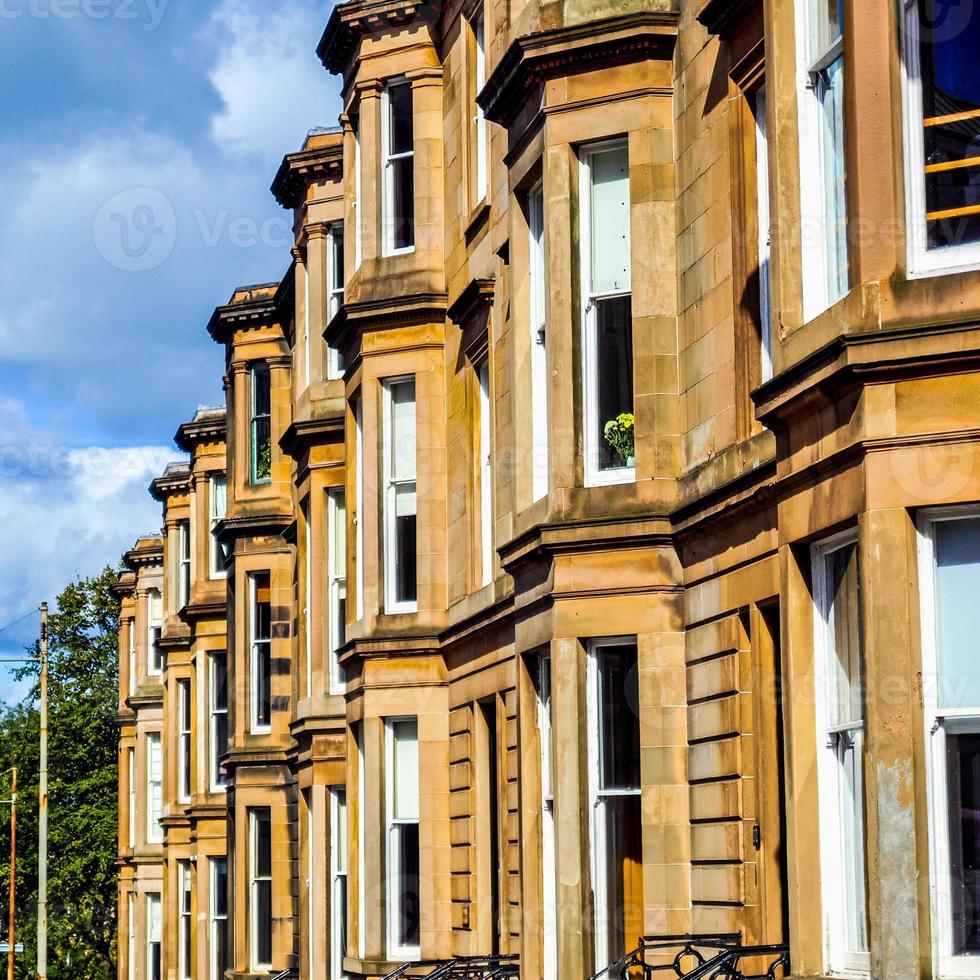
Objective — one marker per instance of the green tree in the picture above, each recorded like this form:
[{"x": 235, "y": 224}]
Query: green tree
[{"x": 82, "y": 789}]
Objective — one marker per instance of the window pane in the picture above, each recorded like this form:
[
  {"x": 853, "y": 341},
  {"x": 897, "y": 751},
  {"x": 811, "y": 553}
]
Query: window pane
[
  {"x": 845, "y": 693},
  {"x": 829, "y": 24},
  {"x": 408, "y": 924},
  {"x": 405, "y": 747},
  {"x": 957, "y": 588},
  {"x": 403, "y": 438},
  {"x": 623, "y": 884},
  {"x": 610, "y": 232},
  {"x": 400, "y": 101},
  {"x": 403, "y": 203},
  {"x": 850, "y": 751},
  {"x": 614, "y": 364},
  {"x": 219, "y": 685},
  {"x": 406, "y": 574},
  {"x": 263, "y": 943},
  {"x": 619, "y": 721},
  {"x": 950, "y": 40},
  {"x": 963, "y": 760},
  {"x": 219, "y": 870},
  {"x": 830, "y": 86}
]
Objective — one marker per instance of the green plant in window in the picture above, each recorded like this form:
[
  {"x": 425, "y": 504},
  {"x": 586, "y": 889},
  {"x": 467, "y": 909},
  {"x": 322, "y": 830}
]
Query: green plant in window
[
  {"x": 263, "y": 460},
  {"x": 618, "y": 432}
]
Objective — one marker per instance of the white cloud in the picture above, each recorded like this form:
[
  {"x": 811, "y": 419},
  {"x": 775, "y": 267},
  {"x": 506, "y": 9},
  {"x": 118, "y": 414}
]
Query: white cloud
[{"x": 272, "y": 85}]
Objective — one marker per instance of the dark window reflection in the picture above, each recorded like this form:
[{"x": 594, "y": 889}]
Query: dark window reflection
[
  {"x": 614, "y": 356},
  {"x": 963, "y": 759}
]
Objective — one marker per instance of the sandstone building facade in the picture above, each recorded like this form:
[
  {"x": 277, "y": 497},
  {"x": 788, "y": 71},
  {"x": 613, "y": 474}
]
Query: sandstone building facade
[{"x": 588, "y": 547}]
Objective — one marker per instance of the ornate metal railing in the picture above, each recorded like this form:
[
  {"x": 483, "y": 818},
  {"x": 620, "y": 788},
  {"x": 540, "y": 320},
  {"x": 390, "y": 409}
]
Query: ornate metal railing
[
  {"x": 460, "y": 968},
  {"x": 690, "y": 957}
]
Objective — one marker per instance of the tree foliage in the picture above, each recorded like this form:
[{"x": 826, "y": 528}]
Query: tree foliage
[{"x": 82, "y": 789}]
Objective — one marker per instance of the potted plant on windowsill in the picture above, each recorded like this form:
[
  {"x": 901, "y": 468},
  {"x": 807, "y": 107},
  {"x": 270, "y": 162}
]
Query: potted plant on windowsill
[{"x": 618, "y": 432}]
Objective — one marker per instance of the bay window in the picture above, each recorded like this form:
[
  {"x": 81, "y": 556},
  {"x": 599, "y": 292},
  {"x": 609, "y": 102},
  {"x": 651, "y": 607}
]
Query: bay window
[
  {"x": 614, "y": 728},
  {"x": 260, "y": 630},
  {"x": 359, "y": 505},
  {"x": 823, "y": 175},
  {"x": 950, "y": 577},
  {"x": 479, "y": 138},
  {"x": 608, "y": 315},
  {"x": 942, "y": 107},
  {"x": 260, "y": 888},
  {"x": 154, "y": 936},
  {"x": 218, "y": 718},
  {"x": 402, "y": 808},
  {"x": 217, "y": 511},
  {"x": 335, "y": 292},
  {"x": 183, "y": 563},
  {"x": 539, "y": 343},
  {"x": 131, "y": 659},
  {"x": 131, "y": 967},
  {"x": 184, "y": 947},
  {"x": 398, "y": 168},
  {"x": 764, "y": 230},
  {"x": 339, "y": 853},
  {"x": 154, "y": 788},
  {"x": 154, "y": 631},
  {"x": 260, "y": 425},
  {"x": 549, "y": 869},
  {"x": 337, "y": 584},
  {"x": 486, "y": 475},
  {"x": 131, "y": 792},
  {"x": 400, "y": 503},
  {"x": 218, "y": 918},
  {"x": 184, "y": 741},
  {"x": 839, "y": 669}
]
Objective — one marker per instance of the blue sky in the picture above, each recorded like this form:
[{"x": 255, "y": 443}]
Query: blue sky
[{"x": 137, "y": 144}]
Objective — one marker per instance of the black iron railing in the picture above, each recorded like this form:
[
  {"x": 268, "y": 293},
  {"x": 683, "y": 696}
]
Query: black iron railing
[
  {"x": 690, "y": 957},
  {"x": 460, "y": 968}
]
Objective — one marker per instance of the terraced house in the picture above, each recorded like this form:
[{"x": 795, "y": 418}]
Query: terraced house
[{"x": 586, "y": 558}]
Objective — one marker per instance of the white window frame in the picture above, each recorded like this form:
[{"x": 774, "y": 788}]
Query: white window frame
[
  {"x": 818, "y": 295},
  {"x": 254, "y": 880},
  {"x": 131, "y": 795},
  {"x": 396, "y": 951},
  {"x": 922, "y": 260},
  {"x": 339, "y": 879},
  {"x": 549, "y": 867},
  {"x": 938, "y": 723},
  {"x": 217, "y": 780},
  {"x": 154, "y": 629},
  {"x": 838, "y": 960},
  {"x": 597, "y": 824},
  {"x": 131, "y": 639},
  {"x": 388, "y": 172},
  {"x": 183, "y": 563},
  {"x": 131, "y": 968},
  {"x": 335, "y": 292},
  {"x": 184, "y": 743},
  {"x": 481, "y": 132},
  {"x": 214, "y": 918},
  {"x": 594, "y": 475},
  {"x": 307, "y": 510},
  {"x": 254, "y": 642},
  {"x": 356, "y": 130},
  {"x": 361, "y": 849},
  {"x": 486, "y": 473},
  {"x": 216, "y": 555},
  {"x": 154, "y": 932},
  {"x": 336, "y": 583},
  {"x": 537, "y": 266},
  {"x": 359, "y": 504},
  {"x": 391, "y": 485},
  {"x": 184, "y": 921},
  {"x": 154, "y": 788},
  {"x": 763, "y": 212}
]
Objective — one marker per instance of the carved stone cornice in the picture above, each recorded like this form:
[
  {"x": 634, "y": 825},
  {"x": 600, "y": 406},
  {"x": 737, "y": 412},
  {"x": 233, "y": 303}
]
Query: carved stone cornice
[
  {"x": 320, "y": 430},
  {"x": 176, "y": 478},
  {"x": 415, "y": 308},
  {"x": 208, "y": 426},
  {"x": 477, "y": 295},
  {"x": 349, "y": 22},
  {"x": 537, "y": 57},
  {"x": 313, "y": 163},
  {"x": 250, "y": 307},
  {"x": 146, "y": 552}
]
